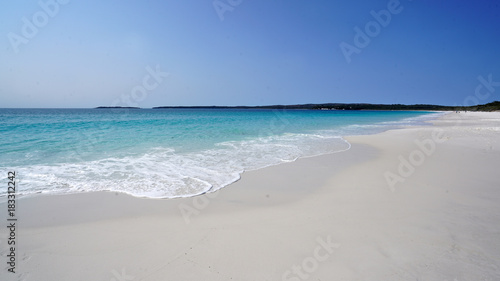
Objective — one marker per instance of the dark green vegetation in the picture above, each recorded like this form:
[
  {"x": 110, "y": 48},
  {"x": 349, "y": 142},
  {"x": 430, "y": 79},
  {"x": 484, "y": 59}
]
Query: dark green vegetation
[{"x": 493, "y": 106}]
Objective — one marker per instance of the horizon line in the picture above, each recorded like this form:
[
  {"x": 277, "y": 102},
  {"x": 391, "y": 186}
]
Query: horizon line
[{"x": 247, "y": 106}]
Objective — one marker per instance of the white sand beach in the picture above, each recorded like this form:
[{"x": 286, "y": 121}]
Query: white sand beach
[{"x": 419, "y": 203}]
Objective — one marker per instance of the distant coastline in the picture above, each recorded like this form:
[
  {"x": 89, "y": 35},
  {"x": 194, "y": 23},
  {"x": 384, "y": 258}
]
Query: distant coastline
[{"x": 493, "y": 106}]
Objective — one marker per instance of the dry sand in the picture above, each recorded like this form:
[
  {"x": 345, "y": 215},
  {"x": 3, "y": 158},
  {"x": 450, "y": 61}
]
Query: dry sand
[{"x": 420, "y": 203}]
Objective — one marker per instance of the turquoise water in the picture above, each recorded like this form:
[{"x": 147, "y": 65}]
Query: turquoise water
[{"x": 167, "y": 153}]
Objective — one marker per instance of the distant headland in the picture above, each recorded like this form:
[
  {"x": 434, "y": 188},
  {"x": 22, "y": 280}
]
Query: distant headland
[{"x": 492, "y": 106}]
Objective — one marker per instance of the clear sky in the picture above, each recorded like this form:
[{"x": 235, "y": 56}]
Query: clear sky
[{"x": 71, "y": 53}]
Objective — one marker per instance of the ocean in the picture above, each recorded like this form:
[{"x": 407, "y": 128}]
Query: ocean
[{"x": 169, "y": 153}]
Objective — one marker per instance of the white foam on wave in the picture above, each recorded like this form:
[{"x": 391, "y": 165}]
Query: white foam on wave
[
  {"x": 163, "y": 173},
  {"x": 420, "y": 120}
]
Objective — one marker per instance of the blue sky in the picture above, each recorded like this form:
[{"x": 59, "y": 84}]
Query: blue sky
[{"x": 91, "y": 53}]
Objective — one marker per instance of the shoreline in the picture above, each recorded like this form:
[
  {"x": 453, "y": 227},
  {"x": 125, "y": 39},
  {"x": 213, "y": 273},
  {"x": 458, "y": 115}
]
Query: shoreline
[
  {"x": 329, "y": 216},
  {"x": 421, "y": 120}
]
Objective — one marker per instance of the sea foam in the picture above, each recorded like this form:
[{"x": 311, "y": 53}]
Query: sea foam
[{"x": 170, "y": 153}]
